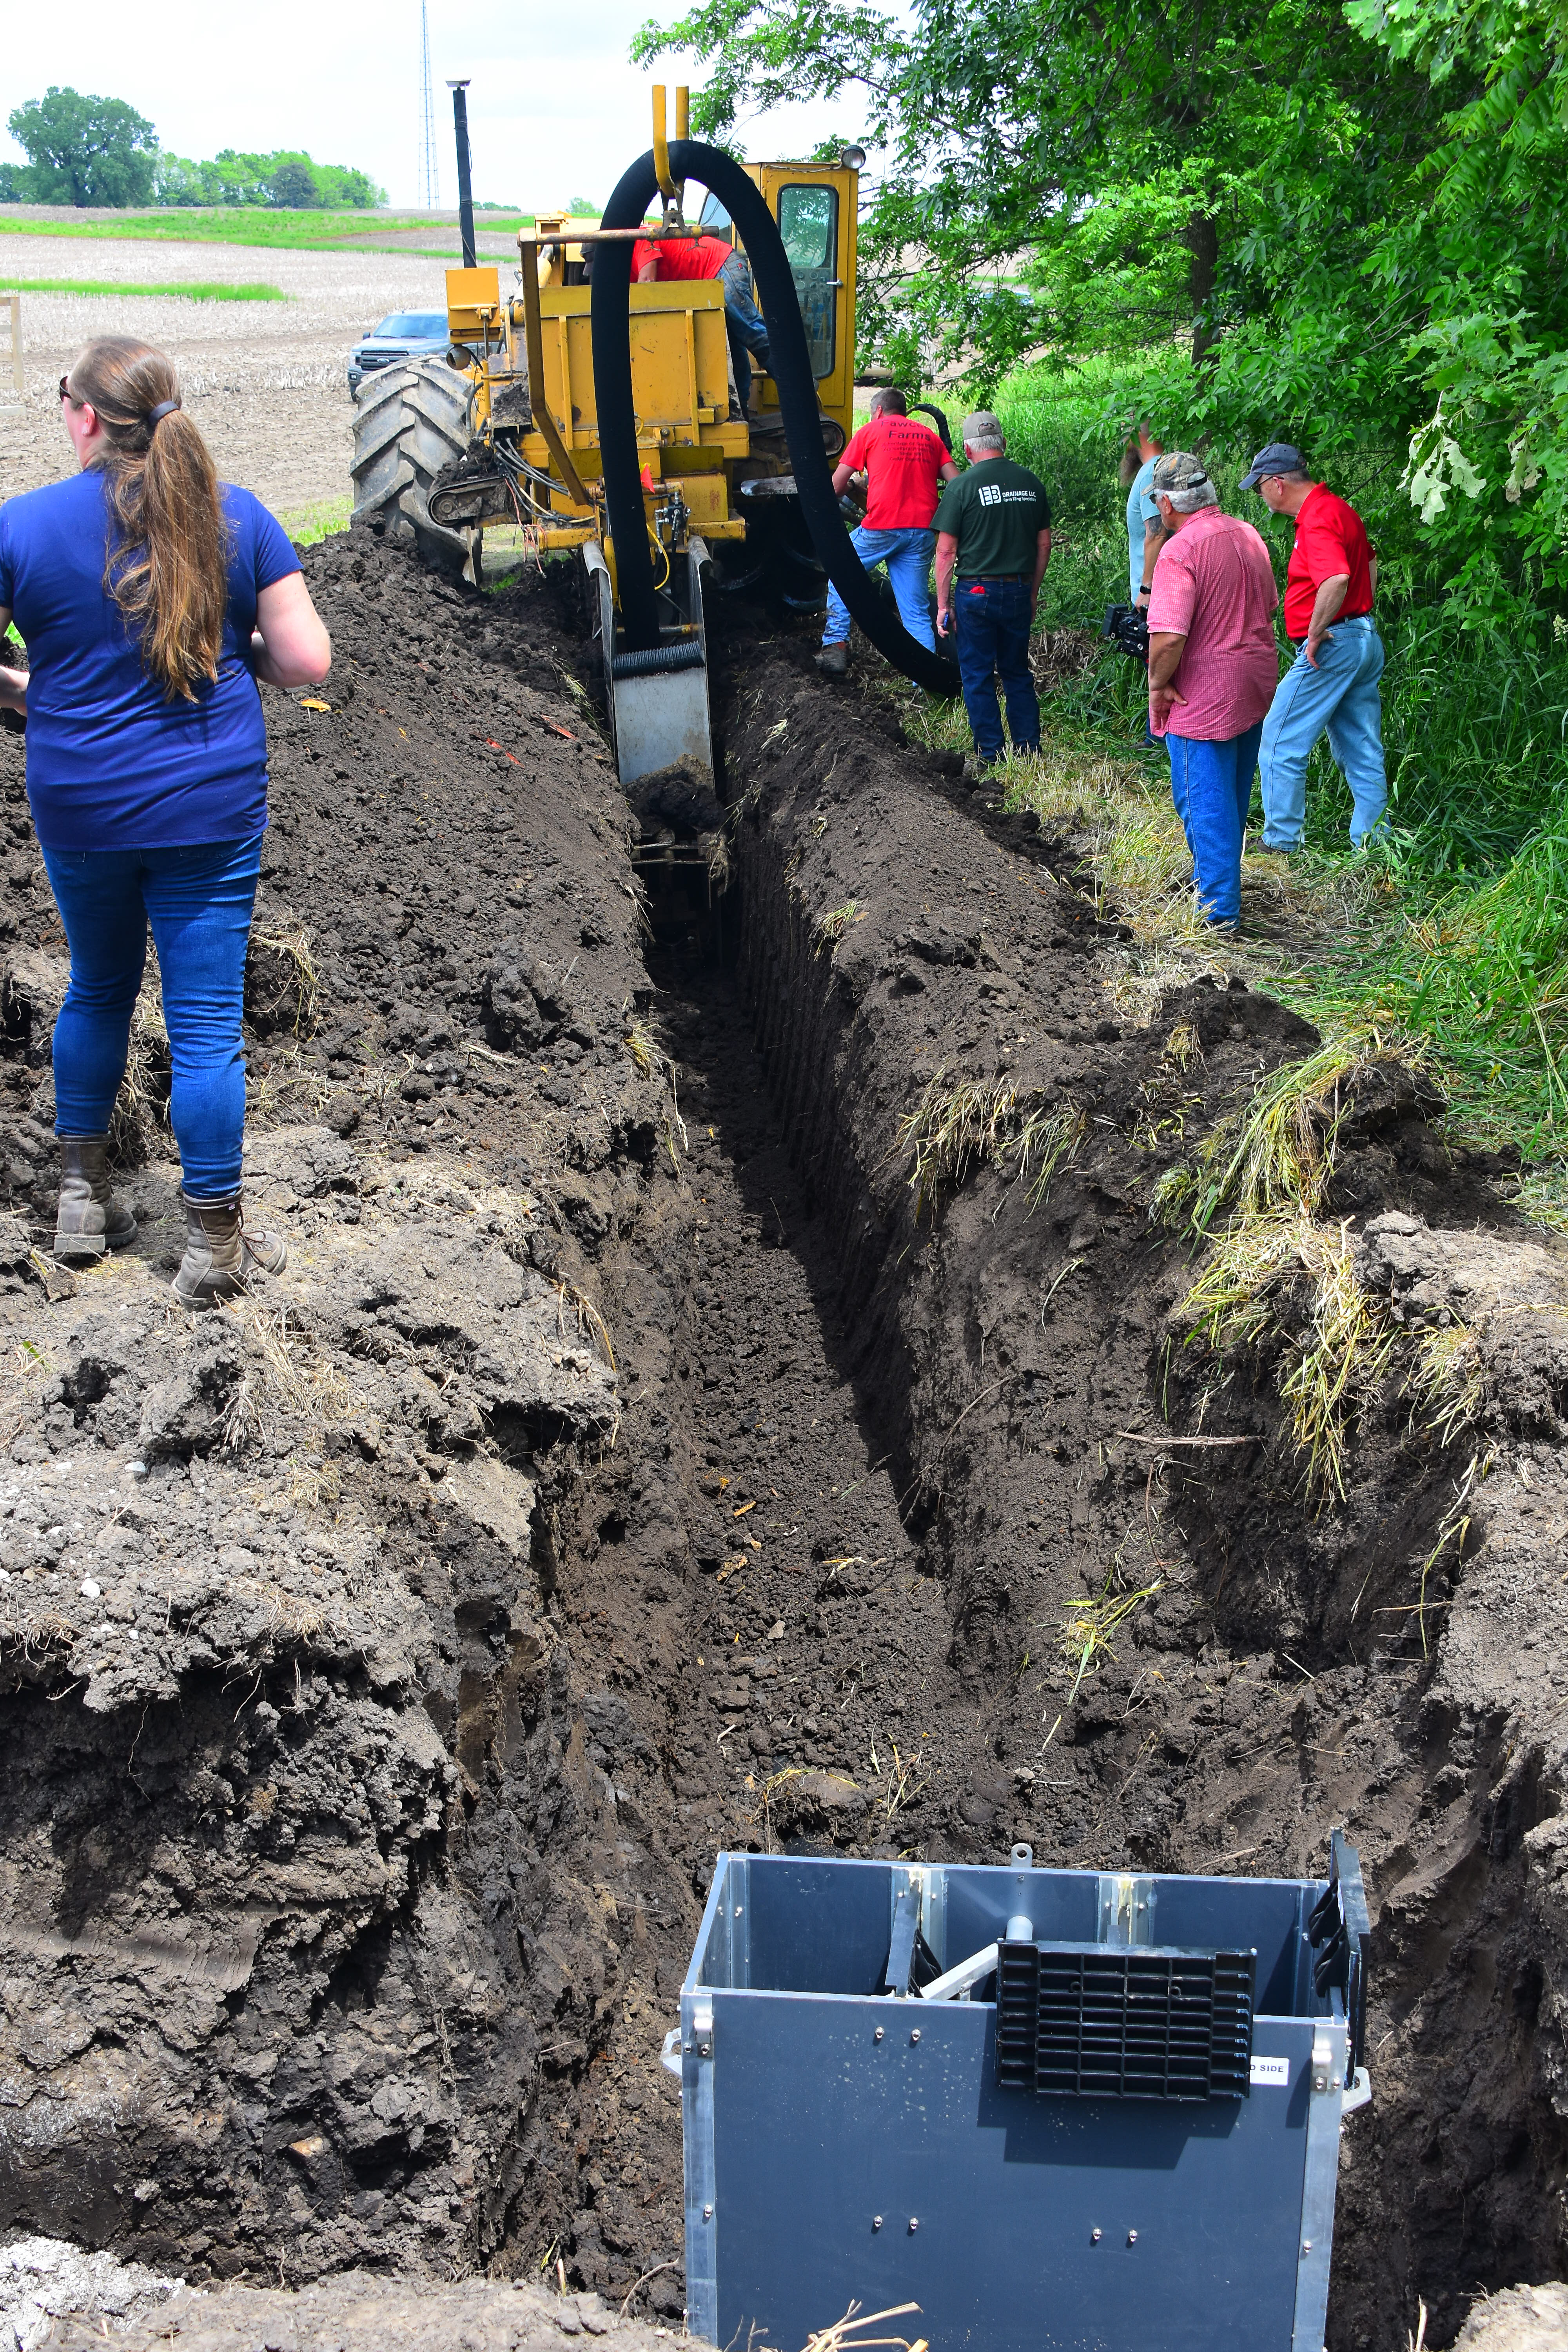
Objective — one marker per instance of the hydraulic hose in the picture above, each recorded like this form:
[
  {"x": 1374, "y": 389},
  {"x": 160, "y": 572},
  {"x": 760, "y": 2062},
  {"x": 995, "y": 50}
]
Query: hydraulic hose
[{"x": 791, "y": 370}]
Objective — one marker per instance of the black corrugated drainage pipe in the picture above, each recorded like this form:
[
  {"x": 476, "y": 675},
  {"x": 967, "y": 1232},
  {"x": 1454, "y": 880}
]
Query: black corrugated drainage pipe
[{"x": 689, "y": 160}]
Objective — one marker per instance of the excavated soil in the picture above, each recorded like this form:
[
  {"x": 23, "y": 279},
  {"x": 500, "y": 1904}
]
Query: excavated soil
[{"x": 629, "y": 1465}]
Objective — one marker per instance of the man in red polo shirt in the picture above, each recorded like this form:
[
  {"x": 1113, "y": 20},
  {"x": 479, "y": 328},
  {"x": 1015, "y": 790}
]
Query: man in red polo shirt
[
  {"x": 1331, "y": 685},
  {"x": 904, "y": 464}
]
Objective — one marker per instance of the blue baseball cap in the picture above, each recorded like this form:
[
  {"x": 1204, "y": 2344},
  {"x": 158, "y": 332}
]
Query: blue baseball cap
[{"x": 1280, "y": 458}]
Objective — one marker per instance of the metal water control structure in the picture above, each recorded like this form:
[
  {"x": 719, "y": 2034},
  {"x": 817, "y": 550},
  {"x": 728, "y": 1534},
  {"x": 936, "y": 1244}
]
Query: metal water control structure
[{"x": 1060, "y": 2111}]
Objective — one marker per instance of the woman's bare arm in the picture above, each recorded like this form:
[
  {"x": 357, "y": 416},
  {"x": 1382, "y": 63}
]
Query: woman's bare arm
[
  {"x": 13, "y": 682},
  {"x": 290, "y": 645}
]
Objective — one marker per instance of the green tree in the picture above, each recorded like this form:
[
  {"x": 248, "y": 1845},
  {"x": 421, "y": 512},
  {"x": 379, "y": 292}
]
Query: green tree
[
  {"x": 293, "y": 185},
  {"x": 1487, "y": 250},
  {"x": 1058, "y": 177},
  {"x": 83, "y": 150},
  {"x": 232, "y": 178},
  {"x": 340, "y": 184}
]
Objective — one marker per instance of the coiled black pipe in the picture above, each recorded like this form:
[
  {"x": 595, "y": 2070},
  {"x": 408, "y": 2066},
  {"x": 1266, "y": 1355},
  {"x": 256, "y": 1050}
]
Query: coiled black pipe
[{"x": 635, "y": 191}]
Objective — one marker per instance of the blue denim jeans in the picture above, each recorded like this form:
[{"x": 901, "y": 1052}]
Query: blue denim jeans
[
  {"x": 744, "y": 323},
  {"x": 991, "y": 620},
  {"x": 1341, "y": 697},
  {"x": 1211, "y": 784},
  {"x": 198, "y": 900},
  {"x": 907, "y": 554}
]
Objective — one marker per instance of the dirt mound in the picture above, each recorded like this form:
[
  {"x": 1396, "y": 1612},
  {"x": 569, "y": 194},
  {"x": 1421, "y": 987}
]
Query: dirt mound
[
  {"x": 1524, "y": 2319},
  {"x": 357, "y": 2314},
  {"x": 727, "y": 1350}
]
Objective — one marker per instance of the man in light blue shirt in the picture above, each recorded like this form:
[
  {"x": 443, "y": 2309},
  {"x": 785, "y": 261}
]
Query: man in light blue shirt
[{"x": 1143, "y": 544}]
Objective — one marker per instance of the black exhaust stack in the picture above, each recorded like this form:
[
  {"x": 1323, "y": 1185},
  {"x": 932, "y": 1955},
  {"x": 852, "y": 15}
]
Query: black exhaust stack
[{"x": 465, "y": 184}]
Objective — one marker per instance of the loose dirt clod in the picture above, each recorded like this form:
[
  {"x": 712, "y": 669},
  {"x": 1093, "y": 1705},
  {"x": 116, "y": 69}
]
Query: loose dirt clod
[{"x": 630, "y": 1465}]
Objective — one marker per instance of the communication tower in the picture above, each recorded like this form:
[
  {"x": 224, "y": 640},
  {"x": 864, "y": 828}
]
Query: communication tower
[{"x": 429, "y": 171}]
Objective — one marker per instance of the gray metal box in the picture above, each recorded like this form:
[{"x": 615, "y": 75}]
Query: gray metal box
[{"x": 1150, "y": 2167}]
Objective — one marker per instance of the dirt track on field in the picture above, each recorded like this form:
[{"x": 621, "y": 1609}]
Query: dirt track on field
[{"x": 624, "y": 1470}]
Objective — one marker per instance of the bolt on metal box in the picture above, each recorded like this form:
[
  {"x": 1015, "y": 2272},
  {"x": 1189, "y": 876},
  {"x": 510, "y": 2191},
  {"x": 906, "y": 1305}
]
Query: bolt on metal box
[{"x": 1060, "y": 2111}]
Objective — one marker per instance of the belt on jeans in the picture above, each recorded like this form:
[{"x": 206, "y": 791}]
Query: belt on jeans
[
  {"x": 990, "y": 579},
  {"x": 1345, "y": 621}
]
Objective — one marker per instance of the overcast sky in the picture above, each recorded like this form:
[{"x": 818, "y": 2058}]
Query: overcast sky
[{"x": 555, "y": 109}]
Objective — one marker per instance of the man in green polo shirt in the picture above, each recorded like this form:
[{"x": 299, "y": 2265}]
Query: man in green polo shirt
[{"x": 993, "y": 542}]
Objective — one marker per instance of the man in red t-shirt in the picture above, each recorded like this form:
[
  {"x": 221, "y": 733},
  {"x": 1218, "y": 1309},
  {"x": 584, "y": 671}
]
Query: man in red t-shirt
[
  {"x": 904, "y": 464},
  {"x": 1332, "y": 684},
  {"x": 712, "y": 257}
]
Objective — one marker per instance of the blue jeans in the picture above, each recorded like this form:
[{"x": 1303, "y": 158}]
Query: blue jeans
[
  {"x": 991, "y": 620},
  {"x": 1211, "y": 784},
  {"x": 1342, "y": 696},
  {"x": 198, "y": 900},
  {"x": 907, "y": 554},
  {"x": 744, "y": 323}
]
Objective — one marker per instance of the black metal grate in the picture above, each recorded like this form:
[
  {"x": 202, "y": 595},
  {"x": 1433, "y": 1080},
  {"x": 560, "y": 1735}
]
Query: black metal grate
[{"x": 1090, "y": 2021}]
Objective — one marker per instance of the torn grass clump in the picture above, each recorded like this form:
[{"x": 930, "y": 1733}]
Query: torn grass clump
[
  {"x": 1278, "y": 1151},
  {"x": 1278, "y": 1273},
  {"x": 957, "y": 1123},
  {"x": 831, "y": 927},
  {"x": 1336, "y": 1347}
]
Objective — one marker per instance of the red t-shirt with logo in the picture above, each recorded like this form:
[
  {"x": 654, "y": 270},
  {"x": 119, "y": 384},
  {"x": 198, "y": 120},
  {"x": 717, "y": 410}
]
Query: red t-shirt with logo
[
  {"x": 902, "y": 462},
  {"x": 1330, "y": 538},
  {"x": 681, "y": 257}
]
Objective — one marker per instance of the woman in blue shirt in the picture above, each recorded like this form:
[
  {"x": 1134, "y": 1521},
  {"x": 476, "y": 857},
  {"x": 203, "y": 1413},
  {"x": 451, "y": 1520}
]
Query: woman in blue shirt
[{"x": 152, "y": 597}]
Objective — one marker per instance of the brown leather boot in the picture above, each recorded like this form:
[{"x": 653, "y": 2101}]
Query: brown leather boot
[
  {"x": 220, "y": 1253},
  {"x": 89, "y": 1220}
]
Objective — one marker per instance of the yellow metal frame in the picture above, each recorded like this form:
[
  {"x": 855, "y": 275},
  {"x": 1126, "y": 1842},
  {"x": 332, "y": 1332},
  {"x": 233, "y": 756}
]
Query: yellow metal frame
[{"x": 686, "y": 435}]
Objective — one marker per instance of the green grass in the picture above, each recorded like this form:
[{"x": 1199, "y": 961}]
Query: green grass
[
  {"x": 322, "y": 519},
  {"x": 191, "y": 290},
  {"x": 297, "y": 232},
  {"x": 1456, "y": 927}
]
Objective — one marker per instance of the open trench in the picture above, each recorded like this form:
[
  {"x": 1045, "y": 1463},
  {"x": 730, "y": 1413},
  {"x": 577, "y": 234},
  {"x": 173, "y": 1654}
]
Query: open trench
[
  {"x": 1243, "y": 1714},
  {"x": 794, "y": 1568}
]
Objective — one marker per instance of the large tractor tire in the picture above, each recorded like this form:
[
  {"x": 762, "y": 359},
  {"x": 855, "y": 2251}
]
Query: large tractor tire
[{"x": 410, "y": 420}]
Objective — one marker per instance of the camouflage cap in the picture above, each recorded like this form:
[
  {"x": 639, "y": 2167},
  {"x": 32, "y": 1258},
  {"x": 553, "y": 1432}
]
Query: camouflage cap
[
  {"x": 984, "y": 426},
  {"x": 1176, "y": 471}
]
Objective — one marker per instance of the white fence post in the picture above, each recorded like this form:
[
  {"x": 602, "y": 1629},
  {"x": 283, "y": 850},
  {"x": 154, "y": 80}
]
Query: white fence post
[{"x": 15, "y": 302}]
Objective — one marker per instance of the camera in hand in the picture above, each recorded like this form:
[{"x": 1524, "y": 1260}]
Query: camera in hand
[{"x": 1129, "y": 629}]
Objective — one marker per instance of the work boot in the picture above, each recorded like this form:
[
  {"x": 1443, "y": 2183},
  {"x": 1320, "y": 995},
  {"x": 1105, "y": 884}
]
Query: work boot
[
  {"x": 833, "y": 661},
  {"x": 89, "y": 1220},
  {"x": 220, "y": 1253}
]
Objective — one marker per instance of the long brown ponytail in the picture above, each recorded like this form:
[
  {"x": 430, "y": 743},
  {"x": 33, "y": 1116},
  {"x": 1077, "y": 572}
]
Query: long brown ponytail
[{"x": 168, "y": 558}]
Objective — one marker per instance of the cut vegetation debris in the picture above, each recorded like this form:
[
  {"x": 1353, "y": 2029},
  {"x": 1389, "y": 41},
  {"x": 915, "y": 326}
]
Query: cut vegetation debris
[
  {"x": 831, "y": 927},
  {"x": 1278, "y": 1150},
  {"x": 1277, "y": 1278},
  {"x": 1332, "y": 1353},
  {"x": 1088, "y": 1625},
  {"x": 957, "y": 1123}
]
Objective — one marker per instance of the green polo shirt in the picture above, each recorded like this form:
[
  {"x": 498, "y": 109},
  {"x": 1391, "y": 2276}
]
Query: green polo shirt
[{"x": 996, "y": 511}]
